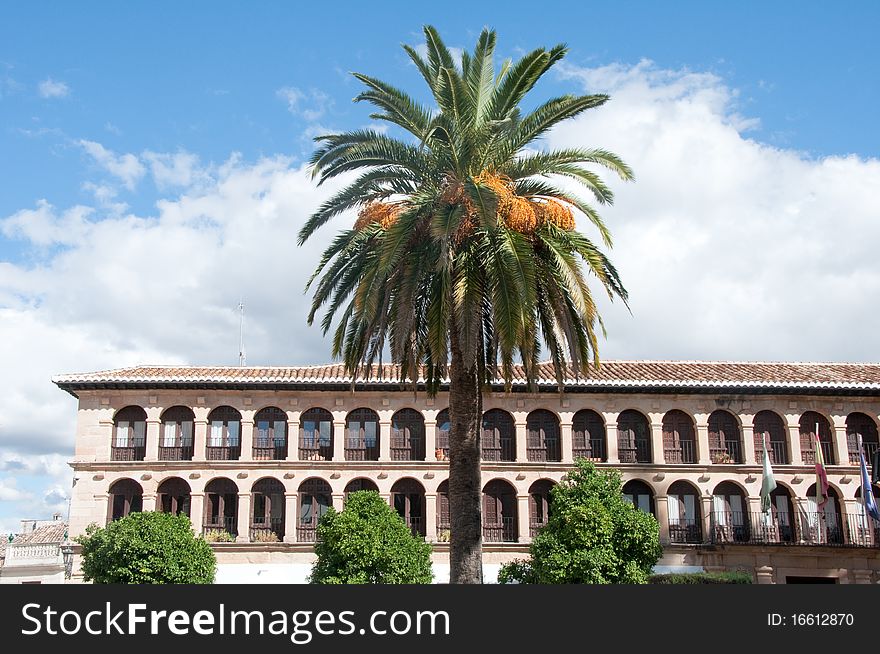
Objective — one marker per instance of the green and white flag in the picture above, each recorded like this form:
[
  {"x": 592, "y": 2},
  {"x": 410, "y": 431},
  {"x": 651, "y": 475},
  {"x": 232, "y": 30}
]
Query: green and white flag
[{"x": 768, "y": 483}]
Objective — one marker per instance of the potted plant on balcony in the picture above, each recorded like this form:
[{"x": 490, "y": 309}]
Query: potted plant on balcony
[{"x": 722, "y": 457}]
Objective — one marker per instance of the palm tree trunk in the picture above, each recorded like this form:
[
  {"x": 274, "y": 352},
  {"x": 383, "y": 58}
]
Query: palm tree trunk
[{"x": 465, "y": 491}]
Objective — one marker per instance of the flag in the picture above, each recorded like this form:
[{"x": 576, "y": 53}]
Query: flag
[
  {"x": 768, "y": 483},
  {"x": 821, "y": 476},
  {"x": 867, "y": 493}
]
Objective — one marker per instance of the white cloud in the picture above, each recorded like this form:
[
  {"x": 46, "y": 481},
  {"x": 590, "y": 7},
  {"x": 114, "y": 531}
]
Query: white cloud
[
  {"x": 730, "y": 249},
  {"x": 50, "y": 88},
  {"x": 9, "y": 492},
  {"x": 44, "y": 226},
  {"x": 127, "y": 168},
  {"x": 178, "y": 170},
  {"x": 310, "y": 105}
]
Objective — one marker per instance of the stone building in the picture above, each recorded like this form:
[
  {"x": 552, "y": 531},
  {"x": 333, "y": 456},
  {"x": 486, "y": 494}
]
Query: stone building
[
  {"x": 255, "y": 456},
  {"x": 35, "y": 555}
]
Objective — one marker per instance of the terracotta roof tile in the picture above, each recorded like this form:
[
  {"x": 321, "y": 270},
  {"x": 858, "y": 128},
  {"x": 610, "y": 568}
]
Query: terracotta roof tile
[
  {"x": 611, "y": 374},
  {"x": 52, "y": 533}
]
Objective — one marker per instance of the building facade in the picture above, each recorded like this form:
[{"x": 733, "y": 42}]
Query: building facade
[
  {"x": 256, "y": 455},
  {"x": 36, "y": 554}
]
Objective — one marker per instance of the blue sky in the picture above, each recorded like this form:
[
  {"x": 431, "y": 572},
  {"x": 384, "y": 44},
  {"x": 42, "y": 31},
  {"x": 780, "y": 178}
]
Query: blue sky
[{"x": 151, "y": 169}]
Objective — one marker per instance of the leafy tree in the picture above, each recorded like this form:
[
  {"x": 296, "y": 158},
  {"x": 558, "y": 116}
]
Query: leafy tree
[
  {"x": 593, "y": 535},
  {"x": 146, "y": 548},
  {"x": 369, "y": 543},
  {"x": 465, "y": 256}
]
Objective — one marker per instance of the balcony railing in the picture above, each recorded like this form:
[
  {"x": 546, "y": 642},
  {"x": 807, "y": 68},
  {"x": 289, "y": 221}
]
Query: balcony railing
[
  {"x": 133, "y": 450},
  {"x": 809, "y": 455},
  {"x": 682, "y": 452},
  {"x": 176, "y": 453},
  {"x": 535, "y": 527},
  {"x": 315, "y": 450},
  {"x": 307, "y": 532},
  {"x": 416, "y": 525},
  {"x": 638, "y": 451},
  {"x": 778, "y": 452},
  {"x": 869, "y": 449},
  {"x": 593, "y": 449},
  {"x": 550, "y": 451},
  {"x": 501, "y": 533},
  {"x": 731, "y": 452},
  {"x": 802, "y": 529},
  {"x": 359, "y": 450},
  {"x": 228, "y": 524},
  {"x": 269, "y": 449},
  {"x": 223, "y": 453},
  {"x": 505, "y": 450},
  {"x": 267, "y": 530},
  {"x": 412, "y": 451},
  {"x": 685, "y": 530}
]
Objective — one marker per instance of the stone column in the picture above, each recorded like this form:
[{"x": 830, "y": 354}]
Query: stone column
[
  {"x": 244, "y": 518},
  {"x": 764, "y": 574},
  {"x": 430, "y": 440},
  {"x": 522, "y": 438},
  {"x": 841, "y": 449},
  {"x": 197, "y": 511},
  {"x": 291, "y": 517},
  {"x": 523, "y": 519},
  {"x": 657, "y": 450},
  {"x": 292, "y": 441},
  {"x": 661, "y": 506},
  {"x": 339, "y": 501},
  {"x": 200, "y": 439},
  {"x": 153, "y": 436},
  {"x": 107, "y": 436},
  {"x": 148, "y": 501},
  {"x": 430, "y": 517},
  {"x": 703, "y": 457},
  {"x": 339, "y": 438},
  {"x": 794, "y": 444},
  {"x": 247, "y": 440},
  {"x": 611, "y": 440},
  {"x": 384, "y": 440},
  {"x": 707, "y": 508},
  {"x": 748, "y": 443},
  {"x": 565, "y": 442}
]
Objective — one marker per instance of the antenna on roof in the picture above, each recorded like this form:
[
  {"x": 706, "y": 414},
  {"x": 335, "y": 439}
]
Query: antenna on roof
[{"x": 240, "y": 333}]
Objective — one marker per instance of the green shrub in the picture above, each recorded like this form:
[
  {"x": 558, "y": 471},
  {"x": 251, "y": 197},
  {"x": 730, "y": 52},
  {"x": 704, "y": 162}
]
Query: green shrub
[
  {"x": 738, "y": 577},
  {"x": 146, "y": 548},
  {"x": 593, "y": 535},
  {"x": 369, "y": 543}
]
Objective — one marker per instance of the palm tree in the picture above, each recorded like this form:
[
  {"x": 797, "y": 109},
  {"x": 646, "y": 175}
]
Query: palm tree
[{"x": 464, "y": 258}]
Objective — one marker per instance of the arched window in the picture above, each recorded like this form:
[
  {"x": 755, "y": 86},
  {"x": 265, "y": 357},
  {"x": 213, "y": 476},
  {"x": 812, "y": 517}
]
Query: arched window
[
  {"x": 679, "y": 441},
  {"x": 770, "y": 424},
  {"x": 224, "y": 431},
  {"x": 859, "y": 425},
  {"x": 640, "y": 495},
  {"x": 360, "y": 484},
  {"x": 408, "y": 499},
  {"x": 821, "y": 525},
  {"x": 221, "y": 506},
  {"x": 633, "y": 437},
  {"x": 267, "y": 511},
  {"x": 442, "y": 436},
  {"x": 443, "y": 521},
  {"x": 864, "y": 531},
  {"x": 270, "y": 434},
  {"x": 498, "y": 438},
  {"x": 316, "y": 435},
  {"x": 500, "y": 512},
  {"x": 588, "y": 436},
  {"x": 730, "y": 517},
  {"x": 407, "y": 436},
  {"x": 315, "y": 499},
  {"x": 685, "y": 516},
  {"x": 126, "y": 496},
  {"x": 543, "y": 436},
  {"x": 725, "y": 444},
  {"x": 808, "y": 423},
  {"x": 782, "y": 515},
  {"x": 539, "y": 505},
  {"x": 129, "y": 434},
  {"x": 176, "y": 442},
  {"x": 362, "y": 435},
  {"x": 173, "y": 496}
]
